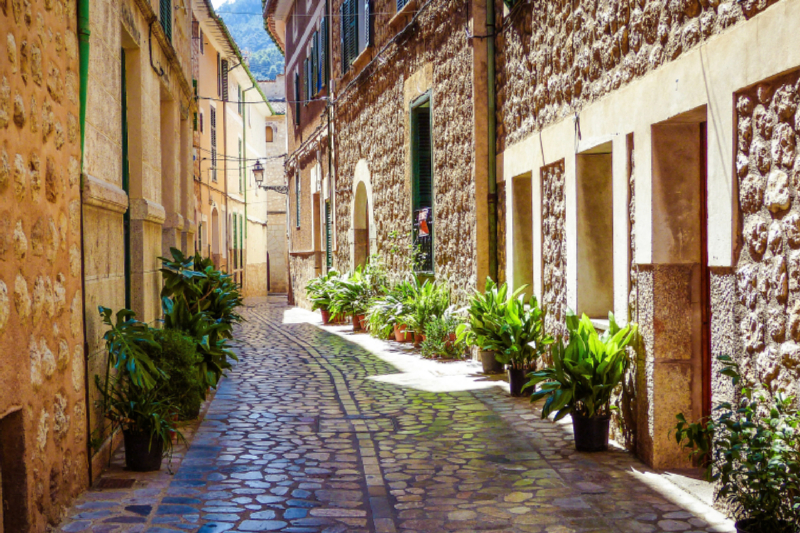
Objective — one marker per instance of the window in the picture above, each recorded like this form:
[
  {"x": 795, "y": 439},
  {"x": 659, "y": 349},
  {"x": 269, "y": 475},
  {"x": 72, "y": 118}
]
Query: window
[
  {"x": 166, "y": 18},
  {"x": 306, "y": 82},
  {"x": 297, "y": 98},
  {"x": 219, "y": 75},
  {"x": 213, "y": 144},
  {"x": 356, "y": 30},
  {"x": 269, "y": 134},
  {"x": 202, "y": 44},
  {"x": 224, "y": 79},
  {"x": 297, "y": 198},
  {"x": 201, "y": 122},
  {"x": 323, "y": 53},
  {"x": 422, "y": 182},
  {"x": 401, "y": 4},
  {"x": 239, "y": 103}
]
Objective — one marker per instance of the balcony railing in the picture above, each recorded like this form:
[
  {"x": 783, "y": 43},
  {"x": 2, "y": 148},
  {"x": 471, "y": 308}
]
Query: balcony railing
[{"x": 423, "y": 240}]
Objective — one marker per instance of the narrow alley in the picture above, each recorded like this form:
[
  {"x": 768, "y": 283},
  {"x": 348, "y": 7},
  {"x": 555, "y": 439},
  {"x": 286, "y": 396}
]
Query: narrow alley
[{"x": 311, "y": 432}]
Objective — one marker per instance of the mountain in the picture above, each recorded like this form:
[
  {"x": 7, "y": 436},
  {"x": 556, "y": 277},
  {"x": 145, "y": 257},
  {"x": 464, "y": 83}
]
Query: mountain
[{"x": 244, "y": 21}]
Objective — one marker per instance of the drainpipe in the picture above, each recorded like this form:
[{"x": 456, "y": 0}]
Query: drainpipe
[
  {"x": 83, "y": 49},
  {"x": 492, "y": 155}
]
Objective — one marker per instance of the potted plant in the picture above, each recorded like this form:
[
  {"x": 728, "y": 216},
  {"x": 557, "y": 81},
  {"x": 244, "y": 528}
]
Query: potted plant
[
  {"x": 483, "y": 313},
  {"x": 386, "y": 312},
  {"x": 751, "y": 448},
  {"x": 438, "y": 342},
  {"x": 583, "y": 376},
  {"x": 351, "y": 297},
  {"x": 428, "y": 300},
  {"x": 519, "y": 340},
  {"x": 319, "y": 291},
  {"x": 133, "y": 398}
]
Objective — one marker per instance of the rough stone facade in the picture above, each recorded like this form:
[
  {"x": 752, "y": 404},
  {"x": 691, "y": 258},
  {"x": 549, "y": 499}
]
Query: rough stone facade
[
  {"x": 562, "y": 55},
  {"x": 768, "y": 267},
  {"x": 554, "y": 250},
  {"x": 43, "y": 440},
  {"x": 372, "y": 117},
  {"x": 502, "y": 233}
]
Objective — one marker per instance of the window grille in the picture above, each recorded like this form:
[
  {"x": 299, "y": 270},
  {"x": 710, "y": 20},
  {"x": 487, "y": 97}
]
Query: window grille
[{"x": 423, "y": 189}]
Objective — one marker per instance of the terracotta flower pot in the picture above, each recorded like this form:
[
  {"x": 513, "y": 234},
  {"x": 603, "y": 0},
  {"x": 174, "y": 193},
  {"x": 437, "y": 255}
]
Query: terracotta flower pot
[
  {"x": 399, "y": 333},
  {"x": 358, "y": 322},
  {"x": 326, "y": 316},
  {"x": 419, "y": 338}
]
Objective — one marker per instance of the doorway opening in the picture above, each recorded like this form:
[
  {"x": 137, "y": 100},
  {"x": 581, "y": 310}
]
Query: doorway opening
[
  {"x": 13, "y": 477},
  {"x": 361, "y": 227},
  {"x": 680, "y": 251}
]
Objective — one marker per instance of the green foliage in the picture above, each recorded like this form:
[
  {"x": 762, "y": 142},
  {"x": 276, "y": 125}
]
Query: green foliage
[
  {"x": 138, "y": 409},
  {"x": 426, "y": 301},
  {"x": 202, "y": 302},
  {"x": 352, "y": 294},
  {"x": 320, "y": 289},
  {"x": 506, "y": 325},
  {"x": 132, "y": 398},
  {"x": 125, "y": 340},
  {"x": 437, "y": 341},
  {"x": 177, "y": 356},
  {"x": 387, "y": 311},
  {"x": 586, "y": 371},
  {"x": 242, "y": 17},
  {"x": 755, "y": 456}
]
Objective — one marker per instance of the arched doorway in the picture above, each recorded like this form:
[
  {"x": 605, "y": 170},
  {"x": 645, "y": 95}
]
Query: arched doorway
[{"x": 361, "y": 226}]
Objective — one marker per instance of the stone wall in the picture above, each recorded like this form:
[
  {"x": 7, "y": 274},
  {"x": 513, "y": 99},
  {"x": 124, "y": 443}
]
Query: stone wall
[
  {"x": 302, "y": 271},
  {"x": 768, "y": 267},
  {"x": 373, "y": 122},
  {"x": 554, "y": 249},
  {"x": 556, "y": 57},
  {"x": 502, "y": 233},
  {"x": 41, "y": 339}
]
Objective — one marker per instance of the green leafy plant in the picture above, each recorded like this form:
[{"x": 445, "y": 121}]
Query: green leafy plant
[
  {"x": 202, "y": 302},
  {"x": 427, "y": 300},
  {"x": 351, "y": 295},
  {"x": 125, "y": 341},
  {"x": 177, "y": 356},
  {"x": 586, "y": 371},
  {"x": 139, "y": 409},
  {"x": 320, "y": 290},
  {"x": 507, "y": 325},
  {"x": 754, "y": 451},
  {"x": 437, "y": 341}
]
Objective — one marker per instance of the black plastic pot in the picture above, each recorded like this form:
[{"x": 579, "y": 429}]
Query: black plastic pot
[
  {"x": 754, "y": 525},
  {"x": 489, "y": 363},
  {"x": 516, "y": 379},
  {"x": 140, "y": 454},
  {"x": 591, "y": 434}
]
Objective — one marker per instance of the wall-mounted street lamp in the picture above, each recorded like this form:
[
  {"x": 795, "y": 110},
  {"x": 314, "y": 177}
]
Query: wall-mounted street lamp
[{"x": 258, "y": 174}]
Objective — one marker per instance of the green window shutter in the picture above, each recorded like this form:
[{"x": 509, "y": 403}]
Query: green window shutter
[
  {"x": 323, "y": 50},
  {"x": 328, "y": 236},
  {"x": 305, "y": 79},
  {"x": 342, "y": 40},
  {"x": 297, "y": 98},
  {"x": 314, "y": 63},
  {"x": 352, "y": 45},
  {"x": 423, "y": 163},
  {"x": 166, "y": 18}
]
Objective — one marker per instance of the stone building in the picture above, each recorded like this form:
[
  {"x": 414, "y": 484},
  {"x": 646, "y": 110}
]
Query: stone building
[
  {"x": 232, "y": 123},
  {"x": 647, "y": 159},
  {"x": 43, "y": 437},
  {"x": 300, "y": 29},
  {"x": 641, "y": 159},
  {"x": 275, "y": 178},
  {"x": 137, "y": 181}
]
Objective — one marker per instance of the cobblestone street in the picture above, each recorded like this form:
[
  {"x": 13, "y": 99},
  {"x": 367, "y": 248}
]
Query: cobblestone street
[{"x": 314, "y": 433}]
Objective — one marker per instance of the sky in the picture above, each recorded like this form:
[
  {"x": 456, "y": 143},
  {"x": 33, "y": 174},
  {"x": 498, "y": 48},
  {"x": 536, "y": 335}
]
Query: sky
[{"x": 218, "y": 3}]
